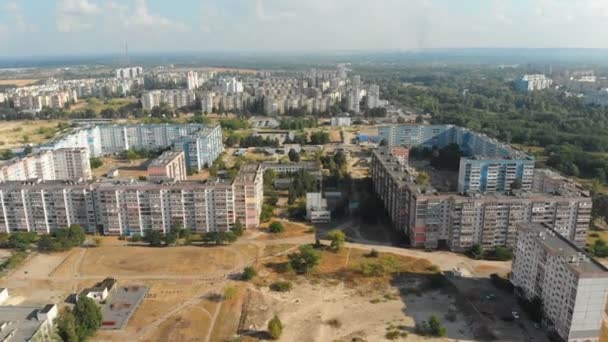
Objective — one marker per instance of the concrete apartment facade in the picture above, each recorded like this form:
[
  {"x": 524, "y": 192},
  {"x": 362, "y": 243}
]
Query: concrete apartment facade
[
  {"x": 129, "y": 207},
  {"x": 533, "y": 82},
  {"x": 487, "y": 165},
  {"x": 59, "y": 164},
  {"x": 459, "y": 221},
  {"x": 171, "y": 165},
  {"x": 201, "y": 144},
  {"x": 571, "y": 285}
]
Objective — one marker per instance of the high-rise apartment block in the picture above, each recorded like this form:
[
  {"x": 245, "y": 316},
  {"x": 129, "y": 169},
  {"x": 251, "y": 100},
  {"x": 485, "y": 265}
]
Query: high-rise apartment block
[
  {"x": 59, "y": 164},
  {"x": 431, "y": 218},
  {"x": 192, "y": 80},
  {"x": 533, "y": 82},
  {"x": 171, "y": 165},
  {"x": 172, "y": 98},
  {"x": 233, "y": 86},
  {"x": 373, "y": 96},
  {"x": 129, "y": 207},
  {"x": 132, "y": 72},
  {"x": 571, "y": 285},
  {"x": 201, "y": 144},
  {"x": 487, "y": 165}
]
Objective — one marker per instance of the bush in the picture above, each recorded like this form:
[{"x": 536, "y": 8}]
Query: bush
[
  {"x": 275, "y": 328},
  {"x": 373, "y": 253},
  {"x": 95, "y": 163},
  {"x": 337, "y": 238},
  {"x": 248, "y": 273},
  {"x": 281, "y": 286},
  {"x": 305, "y": 260},
  {"x": 276, "y": 227}
]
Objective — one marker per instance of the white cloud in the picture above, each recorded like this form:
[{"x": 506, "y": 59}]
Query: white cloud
[
  {"x": 16, "y": 17},
  {"x": 75, "y": 15},
  {"x": 142, "y": 18}
]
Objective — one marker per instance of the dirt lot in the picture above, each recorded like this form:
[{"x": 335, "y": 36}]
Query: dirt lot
[
  {"x": 12, "y": 133},
  {"x": 336, "y": 303}
]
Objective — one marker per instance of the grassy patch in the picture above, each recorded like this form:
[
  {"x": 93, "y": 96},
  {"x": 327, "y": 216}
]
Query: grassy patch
[{"x": 15, "y": 260}]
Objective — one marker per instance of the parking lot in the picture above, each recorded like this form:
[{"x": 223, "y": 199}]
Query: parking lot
[{"x": 120, "y": 306}]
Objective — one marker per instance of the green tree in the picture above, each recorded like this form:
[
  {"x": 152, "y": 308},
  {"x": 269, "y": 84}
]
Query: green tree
[
  {"x": 304, "y": 260},
  {"x": 276, "y": 227},
  {"x": 95, "y": 162},
  {"x": 237, "y": 228},
  {"x": 153, "y": 237},
  {"x": 435, "y": 327},
  {"x": 275, "y": 328},
  {"x": 337, "y": 238},
  {"x": 294, "y": 156},
  {"x": 88, "y": 317},
  {"x": 67, "y": 326},
  {"x": 248, "y": 273},
  {"x": 476, "y": 251},
  {"x": 423, "y": 178}
]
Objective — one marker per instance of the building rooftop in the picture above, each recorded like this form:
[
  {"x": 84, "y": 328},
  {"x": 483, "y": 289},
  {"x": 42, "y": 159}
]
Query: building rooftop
[
  {"x": 556, "y": 244},
  {"x": 166, "y": 158},
  {"x": 20, "y": 323}
]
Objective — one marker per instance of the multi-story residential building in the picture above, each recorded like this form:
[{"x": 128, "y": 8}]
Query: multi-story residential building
[
  {"x": 533, "y": 82},
  {"x": 192, "y": 80},
  {"x": 171, "y": 165},
  {"x": 201, "y": 144},
  {"x": 373, "y": 96},
  {"x": 28, "y": 323},
  {"x": 59, "y": 164},
  {"x": 128, "y": 207},
  {"x": 131, "y": 72},
  {"x": 430, "y": 218},
  {"x": 571, "y": 285},
  {"x": 207, "y": 103},
  {"x": 233, "y": 86},
  {"x": 172, "y": 98},
  {"x": 487, "y": 165}
]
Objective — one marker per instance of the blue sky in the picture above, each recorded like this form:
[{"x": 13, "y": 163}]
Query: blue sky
[{"x": 56, "y": 27}]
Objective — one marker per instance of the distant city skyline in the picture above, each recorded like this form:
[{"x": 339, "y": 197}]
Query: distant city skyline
[{"x": 59, "y": 27}]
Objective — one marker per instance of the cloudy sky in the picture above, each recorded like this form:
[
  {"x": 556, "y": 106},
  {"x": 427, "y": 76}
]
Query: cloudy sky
[{"x": 57, "y": 27}]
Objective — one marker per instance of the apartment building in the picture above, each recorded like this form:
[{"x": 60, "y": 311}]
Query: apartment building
[
  {"x": 201, "y": 144},
  {"x": 59, "y": 164},
  {"x": 431, "y": 218},
  {"x": 533, "y": 82},
  {"x": 172, "y": 98},
  {"x": 571, "y": 285},
  {"x": 487, "y": 165},
  {"x": 129, "y": 207},
  {"x": 131, "y": 72},
  {"x": 28, "y": 323},
  {"x": 171, "y": 165}
]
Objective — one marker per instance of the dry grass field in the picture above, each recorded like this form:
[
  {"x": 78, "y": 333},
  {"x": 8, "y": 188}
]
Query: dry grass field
[
  {"x": 14, "y": 134},
  {"x": 129, "y": 261},
  {"x": 19, "y": 82}
]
